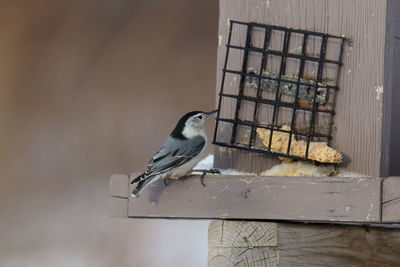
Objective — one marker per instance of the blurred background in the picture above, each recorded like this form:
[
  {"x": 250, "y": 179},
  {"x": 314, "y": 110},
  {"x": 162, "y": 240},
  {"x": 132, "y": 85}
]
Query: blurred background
[{"x": 88, "y": 89}]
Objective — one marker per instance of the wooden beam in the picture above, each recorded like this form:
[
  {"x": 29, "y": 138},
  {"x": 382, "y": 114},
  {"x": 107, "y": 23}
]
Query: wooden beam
[
  {"x": 242, "y": 244},
  {"x": 333, "y": 199},
  {"x": 235, "y": 243},
  {"x": 391, "y": 199}
]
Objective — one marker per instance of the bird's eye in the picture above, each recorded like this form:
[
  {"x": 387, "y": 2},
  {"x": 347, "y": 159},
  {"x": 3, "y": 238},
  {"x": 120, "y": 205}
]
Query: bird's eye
[{"x": 200, "y": 117}]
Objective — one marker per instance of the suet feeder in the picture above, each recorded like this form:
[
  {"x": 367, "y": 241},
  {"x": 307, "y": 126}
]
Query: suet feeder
[{"x": 273, "y": 76}]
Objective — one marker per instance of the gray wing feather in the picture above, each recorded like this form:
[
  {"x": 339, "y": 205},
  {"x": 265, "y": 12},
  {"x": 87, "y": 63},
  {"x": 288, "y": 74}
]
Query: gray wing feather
[{"x": 173, "y": 154}]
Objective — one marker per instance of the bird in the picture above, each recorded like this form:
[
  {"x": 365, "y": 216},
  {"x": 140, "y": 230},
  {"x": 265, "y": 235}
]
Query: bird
[{"x": 181, "y": 151}]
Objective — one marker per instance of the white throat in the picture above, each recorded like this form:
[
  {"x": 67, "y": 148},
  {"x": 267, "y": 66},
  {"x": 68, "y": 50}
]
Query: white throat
[{"x": 190, "y": 131}]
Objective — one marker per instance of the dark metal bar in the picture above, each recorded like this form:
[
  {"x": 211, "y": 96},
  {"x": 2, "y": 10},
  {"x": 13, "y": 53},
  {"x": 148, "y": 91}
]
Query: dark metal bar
[
  {"x": 296, "y": 99},
  {"x": 223, "y": 81},
  {"x": 282, "y": 69},
  {"x": 250, "y": 124},
  {"x": 279, "y": 53},
  {"x": 336, "y": 84},
  {"x": 263, "y": 65},
  {"x": 260, "y": 150},
  {"x": 248, "y": 74},
  {"x": 319, "y": 79},
  {"x": 273, "y": 102},
  {"x": 280, "y": 28},
  {"x": 242, "y": 82}
]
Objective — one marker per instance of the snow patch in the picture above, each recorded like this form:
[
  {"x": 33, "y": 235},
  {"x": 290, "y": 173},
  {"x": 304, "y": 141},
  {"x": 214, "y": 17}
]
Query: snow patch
[
  {"x": 295, "y": 168},
  {"x": 208, "y": 163}
]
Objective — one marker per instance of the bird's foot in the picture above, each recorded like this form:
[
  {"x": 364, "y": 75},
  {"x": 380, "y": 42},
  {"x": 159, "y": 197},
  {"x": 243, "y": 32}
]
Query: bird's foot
[
  {"x": 204, "y": 173},
  {"x": 214, "y": 171},
  {"x": 165, "y": 182}
]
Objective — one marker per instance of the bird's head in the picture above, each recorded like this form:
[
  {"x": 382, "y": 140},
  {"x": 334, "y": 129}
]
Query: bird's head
[{"x": 191, "y": 124}]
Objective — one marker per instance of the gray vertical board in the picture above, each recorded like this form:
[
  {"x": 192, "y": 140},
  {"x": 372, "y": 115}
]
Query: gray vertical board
[
  {"x": 392, "y": 70},
  {"x": 339, "y": 199},
  {"x": 236, "y": 243},
  {"x": 359, "y": 103},
  {"x": 391, "y": 199}
]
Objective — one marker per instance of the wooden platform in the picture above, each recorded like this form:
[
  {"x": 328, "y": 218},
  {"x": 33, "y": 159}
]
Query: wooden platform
[{"x": 320, "y": 199}]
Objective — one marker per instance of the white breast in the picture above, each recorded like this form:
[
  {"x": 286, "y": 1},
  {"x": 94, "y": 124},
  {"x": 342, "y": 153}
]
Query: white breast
[
  {"x": 190, "y": 132},
  {"x": 185, "y": 168}
]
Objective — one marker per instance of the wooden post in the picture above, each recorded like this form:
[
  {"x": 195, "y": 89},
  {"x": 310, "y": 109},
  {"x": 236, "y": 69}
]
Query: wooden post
[{"x": 262, "y": 244}]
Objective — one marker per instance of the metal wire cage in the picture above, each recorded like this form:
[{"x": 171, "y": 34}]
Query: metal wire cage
[{"x": 274, "y": 76}]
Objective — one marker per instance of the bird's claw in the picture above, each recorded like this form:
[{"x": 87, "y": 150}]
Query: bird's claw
[
  {"x": 215, "y": 171},
  {"x": 202, "y": 178},
  {"x": 246, "y": 193},
  {"x": 211, "y": 171},
  {"x": 165, "y": 182}
]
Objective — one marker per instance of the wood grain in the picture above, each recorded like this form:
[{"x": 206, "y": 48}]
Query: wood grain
[
  {"x": 290, "y": 245},
  {"x": 316, "y": 245},
  {"x": 242, "y": 234},
  {"x": 242, "y": 244},
  {"x": 362, "y": 104},
  {"x": 391, "y": 199},
  {"x": 256, "y": 197}
]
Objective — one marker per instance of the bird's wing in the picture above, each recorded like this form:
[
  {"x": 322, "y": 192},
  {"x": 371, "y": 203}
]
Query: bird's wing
[{"x": 173, "y": 154}]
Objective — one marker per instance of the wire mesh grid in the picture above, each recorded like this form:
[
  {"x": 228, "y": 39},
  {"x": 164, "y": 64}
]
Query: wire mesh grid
[{"x": 310, "y": 95}]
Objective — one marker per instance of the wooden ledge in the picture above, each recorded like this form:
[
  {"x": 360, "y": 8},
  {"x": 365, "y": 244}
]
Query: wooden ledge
[{"x": 322, "y": 199}]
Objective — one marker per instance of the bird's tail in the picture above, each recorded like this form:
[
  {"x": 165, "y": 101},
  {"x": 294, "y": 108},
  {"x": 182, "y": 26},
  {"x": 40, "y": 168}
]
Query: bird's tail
[
  {"x": 143, "y": 184},
  {"x": 137, "y": 179}
]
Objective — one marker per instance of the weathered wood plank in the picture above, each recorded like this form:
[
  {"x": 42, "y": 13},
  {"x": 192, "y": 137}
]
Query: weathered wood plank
[
  {"x": 316, "y": 245},
  {"x": 242, "y": 234},
  {"x": 118, "y": 196},
  {"x": 242, "y": 244},
  {"x": 391, "y": 199},
  {"x": 362, "y": 103},
  {"x": 301, "y": 245},
  {"x": 255, "y": 197}
]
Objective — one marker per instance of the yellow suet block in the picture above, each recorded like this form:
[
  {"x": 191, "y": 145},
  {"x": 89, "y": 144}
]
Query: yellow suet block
[{"x": 318, "y": 151}]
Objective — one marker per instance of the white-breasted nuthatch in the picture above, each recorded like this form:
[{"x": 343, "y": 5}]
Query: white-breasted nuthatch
[{"x": 181, "y": 151}]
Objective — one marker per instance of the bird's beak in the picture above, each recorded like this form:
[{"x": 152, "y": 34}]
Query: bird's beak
[{"x": 211, "y": 112}]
